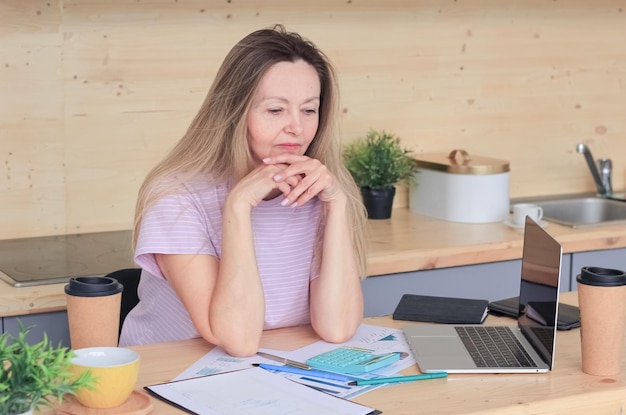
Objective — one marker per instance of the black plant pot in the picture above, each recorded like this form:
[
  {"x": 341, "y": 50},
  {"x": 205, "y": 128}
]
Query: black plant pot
[{"x": 378, "y": 202}]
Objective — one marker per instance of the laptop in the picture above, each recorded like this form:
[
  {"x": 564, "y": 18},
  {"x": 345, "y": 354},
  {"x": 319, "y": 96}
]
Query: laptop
[{"x": 487, "y": 349}]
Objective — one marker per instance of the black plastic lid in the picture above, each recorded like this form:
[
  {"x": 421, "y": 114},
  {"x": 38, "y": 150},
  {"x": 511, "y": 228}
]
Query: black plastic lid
[
  {"x": 602, "y": 277},
  {"x": 93, "y": 286}
]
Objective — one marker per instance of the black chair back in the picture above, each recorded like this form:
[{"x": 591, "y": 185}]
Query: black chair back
[{"x": 129, "y": 278}]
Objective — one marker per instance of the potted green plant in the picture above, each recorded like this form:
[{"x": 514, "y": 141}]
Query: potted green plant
[
  {"x": 34, "y": 374},
  {"x": 377, "y": 162}
]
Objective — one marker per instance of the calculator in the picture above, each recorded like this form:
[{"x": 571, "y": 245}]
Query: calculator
[{"x": 351, "y": 361}]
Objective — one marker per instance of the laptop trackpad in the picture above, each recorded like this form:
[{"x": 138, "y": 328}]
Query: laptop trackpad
[{"x": 438, "y": 346}]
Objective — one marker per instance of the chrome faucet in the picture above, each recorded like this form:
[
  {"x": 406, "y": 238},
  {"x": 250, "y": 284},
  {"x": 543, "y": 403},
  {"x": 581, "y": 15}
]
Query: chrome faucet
[{"x": 601, "y": 172}]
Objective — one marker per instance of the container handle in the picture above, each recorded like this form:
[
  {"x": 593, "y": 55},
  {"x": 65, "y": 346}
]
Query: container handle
[{"x": 464, "y": 154}]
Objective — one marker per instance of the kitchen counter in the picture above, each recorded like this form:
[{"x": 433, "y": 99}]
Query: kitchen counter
[
  {"x": 406, "y": 242},
  {"x": 411, "y": 242}
]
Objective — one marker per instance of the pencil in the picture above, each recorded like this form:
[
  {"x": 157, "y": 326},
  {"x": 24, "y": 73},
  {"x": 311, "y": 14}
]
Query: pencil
[
  {"x": 312, "y": 373},
  {"x": 285, "y": 361},
  {"x": 398, "y": 379}
]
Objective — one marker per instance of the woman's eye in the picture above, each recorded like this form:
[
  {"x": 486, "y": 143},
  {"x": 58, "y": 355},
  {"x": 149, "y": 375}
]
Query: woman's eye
[
  {"x": 274, "y": 110},
  {"x": 310, "y": 111}
]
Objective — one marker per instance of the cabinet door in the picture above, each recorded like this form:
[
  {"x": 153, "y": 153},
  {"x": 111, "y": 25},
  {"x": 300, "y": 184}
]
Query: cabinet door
[
  {"x": 54, "y": 324},
  {"x": 608, "y": 258},
  {"x": 492, "y": 281}
]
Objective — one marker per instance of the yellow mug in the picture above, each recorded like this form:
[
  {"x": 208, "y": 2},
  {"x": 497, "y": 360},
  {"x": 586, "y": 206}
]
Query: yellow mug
[{"x": 115, "y": 369}]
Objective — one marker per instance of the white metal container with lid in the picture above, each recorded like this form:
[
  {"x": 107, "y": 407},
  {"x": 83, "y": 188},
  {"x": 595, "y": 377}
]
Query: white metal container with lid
[{"x": 461, "y": 188}]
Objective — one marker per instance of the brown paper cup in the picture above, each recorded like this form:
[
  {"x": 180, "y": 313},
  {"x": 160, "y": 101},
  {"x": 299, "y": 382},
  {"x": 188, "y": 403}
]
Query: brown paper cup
[
  {"x": 602, "y": 316},
  {"x": 93, "y": 311}
]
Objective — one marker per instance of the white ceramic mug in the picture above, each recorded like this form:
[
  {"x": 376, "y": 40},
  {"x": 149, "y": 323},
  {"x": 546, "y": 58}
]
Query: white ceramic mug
[{"x": 521, "y": 210}]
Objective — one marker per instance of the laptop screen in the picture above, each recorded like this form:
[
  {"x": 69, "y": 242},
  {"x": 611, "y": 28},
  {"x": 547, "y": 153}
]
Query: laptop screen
[{"x": 539, "y": 289}]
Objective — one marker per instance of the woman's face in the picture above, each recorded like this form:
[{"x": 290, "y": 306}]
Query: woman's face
[{"x": 285, "y": 110}]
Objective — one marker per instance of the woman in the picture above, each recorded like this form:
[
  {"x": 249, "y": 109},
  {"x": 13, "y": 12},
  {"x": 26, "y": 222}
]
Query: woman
[{"x": 252, "y": 222}]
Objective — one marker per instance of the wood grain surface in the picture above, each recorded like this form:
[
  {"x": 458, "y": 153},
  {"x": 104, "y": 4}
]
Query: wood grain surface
[{"x": 94, "y": 92}]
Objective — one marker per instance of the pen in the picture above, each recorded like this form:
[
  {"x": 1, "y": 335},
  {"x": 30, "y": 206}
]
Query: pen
[
  {"x": 304, "y": 372},
  {"x": 398, "y": 379},
  {"x": 288, "y": 362}
]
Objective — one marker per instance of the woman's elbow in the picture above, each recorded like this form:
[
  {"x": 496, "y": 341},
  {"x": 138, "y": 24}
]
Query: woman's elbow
[
  {"x": 240, "y": 347},
  {"x": 241, "y": 350},
  {"x": 335, "y": 337},
  {"x": 336, "y": 333}
]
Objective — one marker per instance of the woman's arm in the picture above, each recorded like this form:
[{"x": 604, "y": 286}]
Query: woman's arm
[
  {"x": 193, "y": 278},
  {"x": 237, "y": 310},
  {"x": 336, "y": 295},
  {"x": 224, "y": 297}
]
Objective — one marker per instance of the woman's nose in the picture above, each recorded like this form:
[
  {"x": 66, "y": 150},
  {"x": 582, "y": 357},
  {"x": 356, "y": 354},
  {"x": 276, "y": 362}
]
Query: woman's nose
[{"x": 294, "y": 124}]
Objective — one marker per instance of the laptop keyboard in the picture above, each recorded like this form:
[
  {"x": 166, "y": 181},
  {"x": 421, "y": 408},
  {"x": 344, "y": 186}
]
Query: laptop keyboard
[
  {"x": 545, "y": 336},
  {"x": 494, "y": 347}
]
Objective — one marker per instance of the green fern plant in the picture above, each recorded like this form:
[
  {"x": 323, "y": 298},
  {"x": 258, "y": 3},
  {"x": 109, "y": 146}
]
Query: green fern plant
[
  {"x": 34, "y": 374},
  {"x": 379, "y": 161}
]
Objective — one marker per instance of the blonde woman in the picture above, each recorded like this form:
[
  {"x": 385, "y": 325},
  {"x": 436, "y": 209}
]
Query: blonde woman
[{"x": 252, "y": 222}]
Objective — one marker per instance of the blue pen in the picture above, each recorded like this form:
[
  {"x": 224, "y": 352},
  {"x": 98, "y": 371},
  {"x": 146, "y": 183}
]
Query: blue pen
[
  {"x": 304, "y": 372},
  {"x": 398, "y": 379}
]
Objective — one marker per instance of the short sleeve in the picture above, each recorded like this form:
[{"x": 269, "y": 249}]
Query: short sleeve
[{"x": 176, "y": 224}]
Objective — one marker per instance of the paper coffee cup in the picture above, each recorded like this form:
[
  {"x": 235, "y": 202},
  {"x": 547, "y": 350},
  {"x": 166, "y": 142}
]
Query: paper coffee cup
[
  {"x": 601, "y": 299},
  {"x": 93, "y": 311}
]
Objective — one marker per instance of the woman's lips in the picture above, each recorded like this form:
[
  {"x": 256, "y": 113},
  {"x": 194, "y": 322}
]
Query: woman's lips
[{"x": 289, "y": 148}]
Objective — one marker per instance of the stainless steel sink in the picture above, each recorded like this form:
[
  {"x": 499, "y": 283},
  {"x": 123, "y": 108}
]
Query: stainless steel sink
[{"x": 582, "y": 211}]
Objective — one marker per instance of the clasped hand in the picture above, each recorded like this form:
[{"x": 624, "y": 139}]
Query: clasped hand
[{"x": 298, "y": 178}]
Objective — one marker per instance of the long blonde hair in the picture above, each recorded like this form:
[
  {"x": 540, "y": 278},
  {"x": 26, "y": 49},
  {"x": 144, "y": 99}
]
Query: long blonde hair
[{"x": 215, "y": 143}]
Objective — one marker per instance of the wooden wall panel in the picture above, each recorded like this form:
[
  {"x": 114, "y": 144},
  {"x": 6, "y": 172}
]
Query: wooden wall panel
[
  {"x": 32, "y": 182},
  {"x": 94, "y": 92}
]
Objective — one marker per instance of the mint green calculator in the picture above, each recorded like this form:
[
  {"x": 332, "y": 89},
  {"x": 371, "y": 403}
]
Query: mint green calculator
[{"x": 352, "y": 361}]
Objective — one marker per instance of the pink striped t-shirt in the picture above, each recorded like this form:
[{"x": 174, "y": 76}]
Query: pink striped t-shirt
[{"x": 190, "y": 222}]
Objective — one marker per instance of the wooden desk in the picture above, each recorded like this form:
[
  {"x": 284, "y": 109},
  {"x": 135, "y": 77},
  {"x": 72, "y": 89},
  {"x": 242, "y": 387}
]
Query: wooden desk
[{"x": 564, "y": 390}]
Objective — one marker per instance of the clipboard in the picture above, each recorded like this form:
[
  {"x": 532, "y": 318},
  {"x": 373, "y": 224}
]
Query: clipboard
[{"x": 253, "y": 391}]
